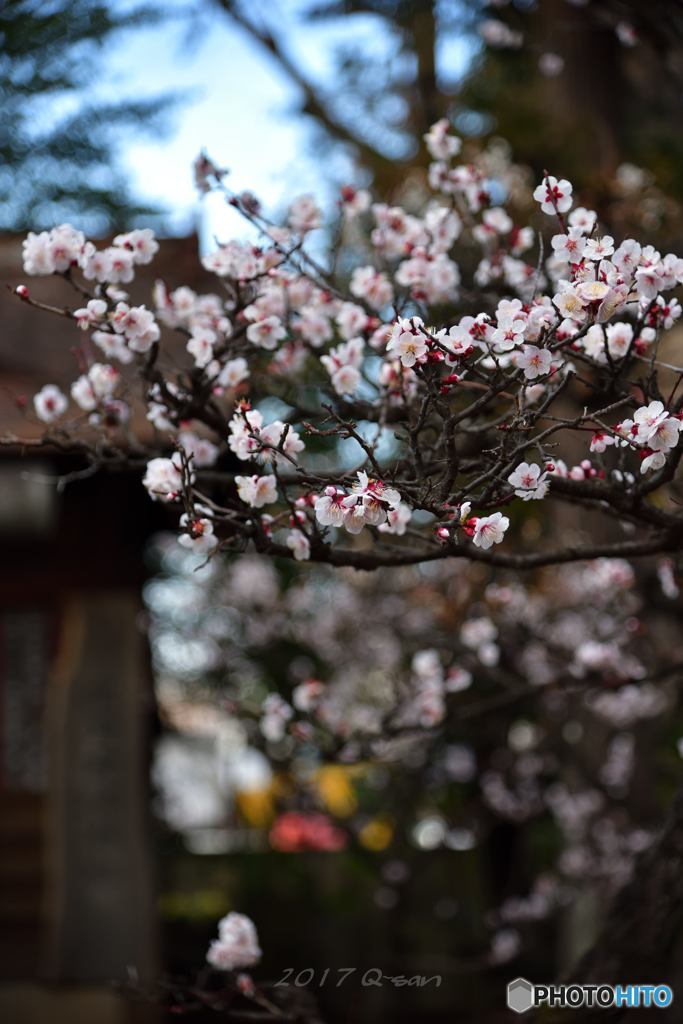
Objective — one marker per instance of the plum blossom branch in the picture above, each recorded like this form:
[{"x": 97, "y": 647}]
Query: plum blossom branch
[{"x": 454, "y": 421}]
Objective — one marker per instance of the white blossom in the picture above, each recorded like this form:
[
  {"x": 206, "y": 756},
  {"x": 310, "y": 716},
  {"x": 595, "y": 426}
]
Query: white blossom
[
  {"x": 163, "y": 478},
  {"x": 237, "y": 944},
  {"x": 198, "y": 533},
  {"x": 50, "y": 403},
  {"x": 489, "y": 530},
  {"x": 553, "y": 195},
  {"x": 257, "y": 491},
  {"x": 299, "y": 544},
  {"x": 529, "y": 481},
  {"x": 535, "y": 362}
]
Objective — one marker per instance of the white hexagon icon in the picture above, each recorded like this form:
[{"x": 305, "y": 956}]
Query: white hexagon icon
[{"x": 520, "y": 995}]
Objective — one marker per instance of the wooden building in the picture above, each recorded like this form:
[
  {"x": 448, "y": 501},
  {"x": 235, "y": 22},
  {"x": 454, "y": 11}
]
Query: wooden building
[{"x": 77, "y": 896}]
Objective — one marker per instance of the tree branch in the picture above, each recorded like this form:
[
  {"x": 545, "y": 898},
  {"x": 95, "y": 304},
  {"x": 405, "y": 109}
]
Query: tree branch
[{"x": 313, "y": 102}]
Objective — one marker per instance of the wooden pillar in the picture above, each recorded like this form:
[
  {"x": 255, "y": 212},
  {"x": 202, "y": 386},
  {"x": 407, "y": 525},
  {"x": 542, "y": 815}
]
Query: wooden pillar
[{"x": 102, "y": 910}]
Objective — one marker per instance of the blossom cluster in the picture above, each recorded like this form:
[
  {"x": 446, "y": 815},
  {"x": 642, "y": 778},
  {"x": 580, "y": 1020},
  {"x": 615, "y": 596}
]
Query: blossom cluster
[
  {"x": 386, "y": 400},
  {"x": 522, "y": 700}
]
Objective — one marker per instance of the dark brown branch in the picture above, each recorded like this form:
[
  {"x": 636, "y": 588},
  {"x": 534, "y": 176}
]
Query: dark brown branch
[{"x": 368, "y": 560}]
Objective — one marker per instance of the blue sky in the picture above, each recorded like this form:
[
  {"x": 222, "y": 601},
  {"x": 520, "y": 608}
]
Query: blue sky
[{"x": 240, "y": 107}]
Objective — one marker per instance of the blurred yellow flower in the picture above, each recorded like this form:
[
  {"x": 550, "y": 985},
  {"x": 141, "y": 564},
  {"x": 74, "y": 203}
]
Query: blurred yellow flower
[
  {"x": 335, "y": 786},
  {"x": 256, "y": 806},
  {"x": 377, "y": 834}
]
